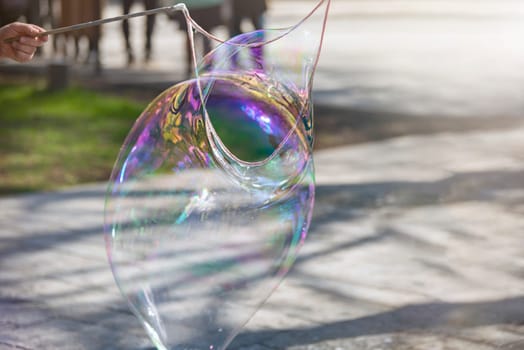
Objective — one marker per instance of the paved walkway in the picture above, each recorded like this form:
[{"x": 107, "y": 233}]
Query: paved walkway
[{"x": 417, "y": 241}]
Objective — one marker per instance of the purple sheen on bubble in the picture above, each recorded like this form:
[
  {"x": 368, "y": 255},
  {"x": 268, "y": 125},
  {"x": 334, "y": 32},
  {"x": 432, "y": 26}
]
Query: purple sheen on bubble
[
  {"x": 191, "y": 243},
  {"x": 212, "y": 193}
]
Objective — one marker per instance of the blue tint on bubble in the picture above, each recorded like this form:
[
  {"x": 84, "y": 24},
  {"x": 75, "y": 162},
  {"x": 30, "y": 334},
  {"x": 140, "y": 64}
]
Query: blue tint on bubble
[{"x": 212, "y": 194}]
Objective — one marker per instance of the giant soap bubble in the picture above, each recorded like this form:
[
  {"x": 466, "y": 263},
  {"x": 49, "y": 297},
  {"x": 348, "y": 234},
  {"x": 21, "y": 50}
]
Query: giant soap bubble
[{"x": 212, "y": 193}]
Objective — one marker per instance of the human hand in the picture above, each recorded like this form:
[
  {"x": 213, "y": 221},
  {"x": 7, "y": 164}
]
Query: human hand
[{"x": 23, "y": 49}]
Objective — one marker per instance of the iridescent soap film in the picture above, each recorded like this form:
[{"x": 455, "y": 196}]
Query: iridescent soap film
[{"x": 212, "y": 194}]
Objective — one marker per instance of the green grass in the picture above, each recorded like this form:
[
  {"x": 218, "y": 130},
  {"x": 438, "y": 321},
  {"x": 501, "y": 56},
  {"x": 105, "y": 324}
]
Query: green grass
[{"x": 50, "y": 140}]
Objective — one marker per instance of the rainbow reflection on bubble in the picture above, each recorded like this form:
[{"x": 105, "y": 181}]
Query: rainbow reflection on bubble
[{"x": 212, "y": 193}]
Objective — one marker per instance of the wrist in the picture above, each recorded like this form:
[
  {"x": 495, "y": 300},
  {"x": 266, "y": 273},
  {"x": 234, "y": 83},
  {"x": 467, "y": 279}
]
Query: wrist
[{"x": 2, "y": 43}]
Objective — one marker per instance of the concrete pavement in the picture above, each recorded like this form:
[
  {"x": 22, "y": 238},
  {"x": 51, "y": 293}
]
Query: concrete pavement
[{"x": 417, "y": 242}]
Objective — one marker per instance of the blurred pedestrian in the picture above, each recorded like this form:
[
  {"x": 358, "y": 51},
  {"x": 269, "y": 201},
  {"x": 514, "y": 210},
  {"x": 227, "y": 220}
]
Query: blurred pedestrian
[
  {"x": 150, "y": 25},
  {"x": 79, "y": 11},
  {"x": 24, "y": 48},
  {"x": 208, "y": 14},
  {"x": 12, "y": 10},
  {"x": 253, "y": 10}
]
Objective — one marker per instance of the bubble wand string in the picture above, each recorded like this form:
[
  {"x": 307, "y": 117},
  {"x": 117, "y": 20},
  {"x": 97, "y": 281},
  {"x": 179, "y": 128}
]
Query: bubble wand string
[
  {"x": 101, "y": 21},
  {"x": 177, "y": 7}
]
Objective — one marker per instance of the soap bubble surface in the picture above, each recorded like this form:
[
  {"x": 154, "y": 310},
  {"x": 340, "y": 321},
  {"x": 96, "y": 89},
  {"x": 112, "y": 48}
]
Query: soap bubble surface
[{"x": 212, "y": 194}]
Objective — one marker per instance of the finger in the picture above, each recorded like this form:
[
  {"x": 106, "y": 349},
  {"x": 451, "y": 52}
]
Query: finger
[
  {"x": 35, "y": 42},
  {"x": 24, "y": 48},
  {"x": 37, "y": 28},
  {"x": 41, "y": 38},
  {"x": 25, "y": 29},
  {"x": 21, "y": 56}
]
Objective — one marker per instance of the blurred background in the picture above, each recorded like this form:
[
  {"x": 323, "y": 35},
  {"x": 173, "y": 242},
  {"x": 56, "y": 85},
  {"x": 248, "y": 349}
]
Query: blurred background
[
  {"x": 417, "y": 240},
  {"x": 388, "y": 68}
]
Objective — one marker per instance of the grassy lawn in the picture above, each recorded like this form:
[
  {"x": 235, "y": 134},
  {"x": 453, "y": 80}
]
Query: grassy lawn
[{"x": 50, "y": 140}]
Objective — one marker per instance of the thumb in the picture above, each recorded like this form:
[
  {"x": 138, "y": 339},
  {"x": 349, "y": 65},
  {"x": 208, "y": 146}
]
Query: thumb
[{"x": 25, "y": 29}]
